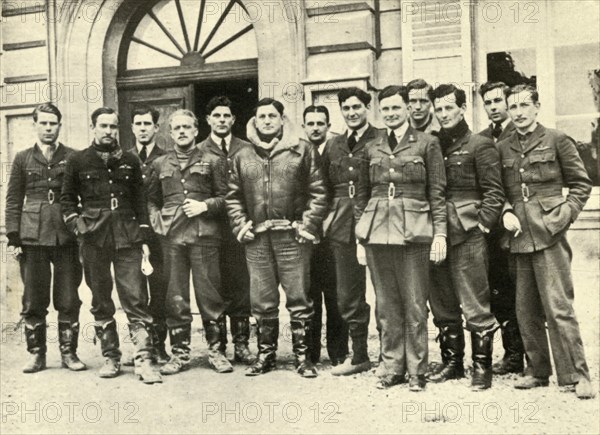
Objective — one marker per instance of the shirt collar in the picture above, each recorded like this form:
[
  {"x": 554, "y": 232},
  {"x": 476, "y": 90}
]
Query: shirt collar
[
  {"x": 505, "y": 123},
  {"x": 149, "y": 148},
  {"x": 216, "y": 139},
  {"x": 399, "y": 132},
  {"x": 43, "y": 146},
  {"x": 360, "y": 131}
]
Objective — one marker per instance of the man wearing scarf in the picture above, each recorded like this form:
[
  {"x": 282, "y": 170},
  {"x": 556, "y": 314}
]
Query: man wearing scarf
[
  {"x": 475, "y": 199},
  {"x": 112, "y": 225},
  {"x": 276, "y": 203}
]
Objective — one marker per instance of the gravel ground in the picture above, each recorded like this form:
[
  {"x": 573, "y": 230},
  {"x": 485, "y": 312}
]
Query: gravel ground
[{"x": 201, "y": 401}]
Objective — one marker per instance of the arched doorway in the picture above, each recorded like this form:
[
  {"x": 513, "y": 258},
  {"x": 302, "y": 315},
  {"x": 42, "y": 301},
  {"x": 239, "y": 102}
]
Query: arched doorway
[{"x": 179, "y": 54}]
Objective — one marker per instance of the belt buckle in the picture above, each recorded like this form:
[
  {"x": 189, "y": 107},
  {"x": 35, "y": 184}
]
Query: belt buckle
[
  {"x": 525, "y": 192},
  {"x": 114, "y": 203},
  {"x": 391, "y": 191},
  {"x": 351, "y": 190},
  {"x": 50, "y": 196}
]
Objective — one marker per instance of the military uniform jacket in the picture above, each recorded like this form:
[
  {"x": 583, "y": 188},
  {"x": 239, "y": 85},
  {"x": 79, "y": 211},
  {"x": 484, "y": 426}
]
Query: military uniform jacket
[
  {"x": 341, "y": 170},
  {"x": 534, "y": 176},
  {"x": 404, "y": 189},
  {"x": 33, "y": 208},
  {"x": 147, "y": 165},
  {"x": 487, "y": 132},
  {"x": 112, "y": 197},
  {"x": 171, "y": 185},
  {"x": 286, "y": 184},
  {"x": 474, "y": 192}
]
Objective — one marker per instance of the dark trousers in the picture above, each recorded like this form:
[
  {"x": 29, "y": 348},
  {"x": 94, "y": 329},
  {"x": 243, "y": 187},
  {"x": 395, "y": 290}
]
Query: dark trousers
[
  {"x": 129, "y": 280},
  {"x": 235, "y": 281},
  {"x": 37, "y": 277},
  {"x": 545, "y": 296},
  {"x": 274, "y": 258},
  {"x": 400, "y": 275},
  {"x": 462, "y": 281},
  {"x": 501, "y": 278},
  {"x": 203, "y": 263},
  {"x": 323, "y": 288},
  {"x": 157, "y": 283}
]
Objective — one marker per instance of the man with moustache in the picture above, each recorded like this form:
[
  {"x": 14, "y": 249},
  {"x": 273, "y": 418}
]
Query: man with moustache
[
  {"x": 402, "y": 225},
  {"x": 112, "y": 226},
  {"x": 501, "y": 277},
  {"x": 420, "y": 102},
  {"x": 144, "y": 124},
  {"x": 235, "y": 283},
  {"x": 537, "y": 163},
  {"x": 186, "y": 204},
  {"x": 342, "y": 160},
  {"x": 322, "y": 266},
  {"x": 276, "y": 203},
  {"x": 475, "y": 199},
  {"x": 34, "y": 227}
]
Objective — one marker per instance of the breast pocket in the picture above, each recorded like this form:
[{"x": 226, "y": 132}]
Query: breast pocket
[
  {"x": 89, "y": 181},
  {"x": 412, "y": 169},
  {"x": 124, "y": 174},
  {"x": 460, "y": 170},
  {"x": 375, "y": 169},
  {"x": 33, "y": 175},
  {"x": 544, "y": 166},
  {"x": 508, "y": 171}
]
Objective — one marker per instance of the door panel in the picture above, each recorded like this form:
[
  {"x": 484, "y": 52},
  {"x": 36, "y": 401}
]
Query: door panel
[{"x": 165, "y": 100}]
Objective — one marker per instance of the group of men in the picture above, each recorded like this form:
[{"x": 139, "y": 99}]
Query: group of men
[{"x": 425, "y": 203}]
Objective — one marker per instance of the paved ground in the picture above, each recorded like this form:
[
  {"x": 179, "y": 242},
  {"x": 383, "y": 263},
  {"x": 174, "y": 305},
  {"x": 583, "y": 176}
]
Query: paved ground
[{"x": 201, "y": 401}]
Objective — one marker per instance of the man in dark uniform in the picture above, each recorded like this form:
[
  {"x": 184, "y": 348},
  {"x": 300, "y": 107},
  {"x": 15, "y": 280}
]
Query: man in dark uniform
[
  {"x": 235, "y": 283},
  {"x": 402, "y": 227},
  {"x": 420, "y": 102},
  {"x": 35, "y": 228},
  {"x": 186, "y": 202},
  {"x": 500, "y": 276},
  {"x": 144, "y": 124},
  {"x": 112, "y": 226},
  {"x": 276, "y": 203},
  {"x": 537, "y": 163},
  {"x": 341, "y": 162},
  {"x": 322, "y": 264},
  {"x": 474, "y": 199}
]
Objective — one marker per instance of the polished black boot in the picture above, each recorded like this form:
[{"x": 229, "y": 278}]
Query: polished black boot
[
  {"x": 359, "y": 361},
  {"x": 481, "y": 349},
  {"x": 141, "y": 337},
  {"x": 512, "y": 362},
  {"x": 315, "y": 330},
  {"x": 240, "y": 335},
  {"x": 452, "y": 346},
  {"x": 109, "y": 343},
  {"x": 214, "y": 332},
  {"x": 159, "y": 337},
  {"x": 302, "y": 345},
  {"x": 36, "y": 346},
  {"x": 268, "y": 334},
  {"x": 68, "y": 336},
  {"x": 180, "y": 338}
]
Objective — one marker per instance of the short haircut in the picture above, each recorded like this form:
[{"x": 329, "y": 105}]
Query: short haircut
[
  {"x": 316, "y": 109},
  {"x": 103, "y": 111},
  {"x": 535, "y": 96},
  {"x": 183, "y": 112},
  {"x": 346, "y": 93},
  {"x": 46, "y": 108},
  {"x": 390, "y": 91},
  {"x": 269, "y": 102},
  {"x": 490, "y": 86},
  {"x": 143, "y": 110},
  {"x": 447, "y": 89},
  {"x": 219, "y": 101},
  {"x": 417, "y": 84}
]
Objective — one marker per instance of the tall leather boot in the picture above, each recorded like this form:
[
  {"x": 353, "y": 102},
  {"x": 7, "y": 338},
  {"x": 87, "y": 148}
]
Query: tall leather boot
[
  {"x": 315, "y": 330},
  {"x": 159, "y": 336},
  {"x": 216, "y": 357},
  {"x": 512, "y": 362},
  {"x": 302, "y": 346},
  {"x": 142, "y": 341},
  {"x": 452, "y": 346},
  {"x": 180, "y": 338},
  {"x": 359, "y": 361},
  {"x": 36, "y": 346},
  {"x": 109, "y": 343},
  {"x": 482, "y": 347},
  {"x": 240, "y": 334},
  {"x": 268, "y": 334},
  {"x": 68, "y": 336}
]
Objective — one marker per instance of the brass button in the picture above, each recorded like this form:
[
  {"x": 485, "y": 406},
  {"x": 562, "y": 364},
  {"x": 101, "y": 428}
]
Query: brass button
[
  {"x": 112, "y": 194},
  {"x": 183, "y": 180},
  {"x": 350, "y": 182},
  {"x": 109, "y": 181},
  {"x": 350, "y": 155},
  {"x": 522, "y": 156},
  {"x": 49, "y": 179},
  {"x": 109, "y": 171},
  {"x": 521, "y": 170},
  {"x": 351, "y": 168},
  {"x": 143, "y": 176},
  {"x": 185, "y": 192},
  {"x": 525, "y": 199},
  {"x": 392, "y": 170},
  {"x": 392, "y": 157}
]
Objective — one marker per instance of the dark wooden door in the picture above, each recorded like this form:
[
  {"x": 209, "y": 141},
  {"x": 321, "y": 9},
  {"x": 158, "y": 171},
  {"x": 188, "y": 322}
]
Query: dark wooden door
[{"x": 165, "y": 100}]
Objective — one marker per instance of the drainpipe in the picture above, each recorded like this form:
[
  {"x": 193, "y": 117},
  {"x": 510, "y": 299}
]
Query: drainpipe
[{"x": 51, "y": 21}]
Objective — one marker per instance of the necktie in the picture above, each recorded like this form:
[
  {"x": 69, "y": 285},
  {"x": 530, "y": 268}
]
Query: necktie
[
  {"x": 523, "y": 138},
  {"x": 352, "y": 140},
  {"x": 224, "y": 146},
  {"x": 497, "y": 130},
  {"x": 392, "y": 141},
  {"x": 49, "y": 152},
  {"x": 143, "y": 153}
]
